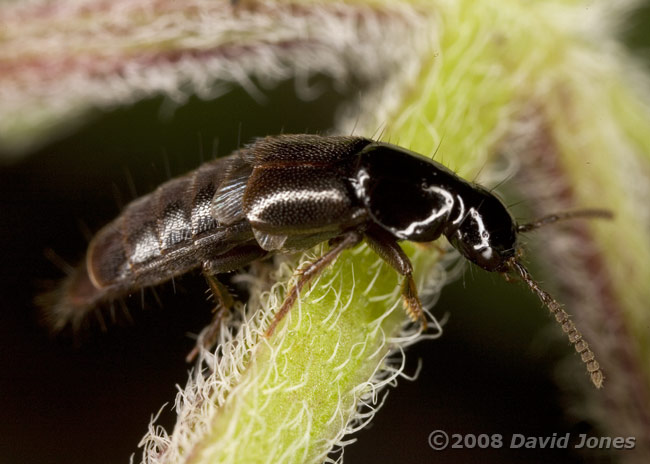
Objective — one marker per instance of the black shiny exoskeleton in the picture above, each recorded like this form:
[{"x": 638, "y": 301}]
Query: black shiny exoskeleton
[{"x": 288, "y": 193}]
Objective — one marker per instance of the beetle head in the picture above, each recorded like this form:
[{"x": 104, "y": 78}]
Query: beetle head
[
  {"x": 417, "y": 199},
  {"x": 486, "y": 233}
]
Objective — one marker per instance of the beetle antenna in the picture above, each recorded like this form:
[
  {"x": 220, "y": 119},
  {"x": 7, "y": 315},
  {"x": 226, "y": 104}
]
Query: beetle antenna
[
  {"x": 551, "y": 218},
  {"x": 561, "y": 316}
]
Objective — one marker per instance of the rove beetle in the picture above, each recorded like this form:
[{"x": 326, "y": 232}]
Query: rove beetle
[{"x": 289, "y": 193}]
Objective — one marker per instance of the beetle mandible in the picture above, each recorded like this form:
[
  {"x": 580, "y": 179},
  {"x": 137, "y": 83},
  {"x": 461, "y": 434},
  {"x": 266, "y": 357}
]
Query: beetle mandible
[{"x": 288, "y": 193}]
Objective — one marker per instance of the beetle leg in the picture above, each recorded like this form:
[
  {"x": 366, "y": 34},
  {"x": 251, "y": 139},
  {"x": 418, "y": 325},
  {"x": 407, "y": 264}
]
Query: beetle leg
[
  {"x": 208, "y": 336},
  {"x": 219, "y": 291},
  {"x": 224, "y": 302},
  {"x": 412, "y": 303},
  {"x": 389, "y": 250},
  {"x": 347, "y": 240},
  {"x": 229, "y": 261}
]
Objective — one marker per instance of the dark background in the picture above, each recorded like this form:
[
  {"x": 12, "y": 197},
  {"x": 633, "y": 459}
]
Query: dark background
[{"x": 90, "y": 398}]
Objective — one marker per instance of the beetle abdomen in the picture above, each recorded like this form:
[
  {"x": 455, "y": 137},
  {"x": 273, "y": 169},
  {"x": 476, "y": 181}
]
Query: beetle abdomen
[
  {"x": 167, "y": 232},
  {"x": 158, "y": 236}
]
